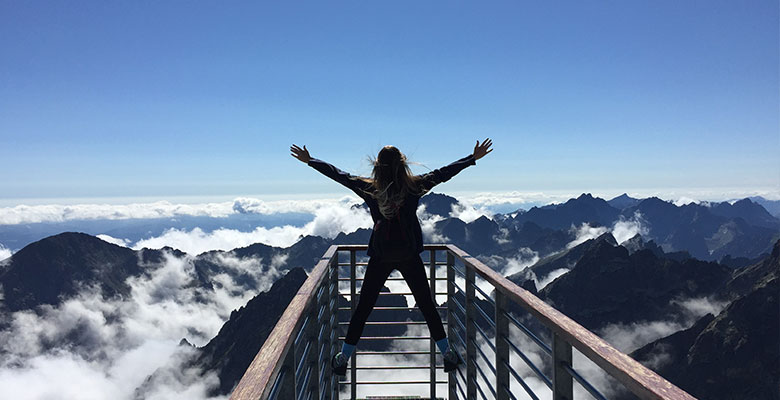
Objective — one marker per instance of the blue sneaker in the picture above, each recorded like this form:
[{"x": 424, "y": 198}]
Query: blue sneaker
[
  {"x": 451, "y": 360},
  {"x": 339, "y": 364}
]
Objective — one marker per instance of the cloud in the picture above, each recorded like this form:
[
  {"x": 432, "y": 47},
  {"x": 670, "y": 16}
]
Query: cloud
[
  {"x": 26, "y": 214},
  {"x": 5, "y": 252},
  {"x": 629, "y": 337},
  {"x": 506, "y": 202},
  {"x": 91, "y": 347},
  {"x": 695, "y": 308},
  {"x": 523, "y": 258},
  {"x": 328, "y": 222},
  {"x": 553, "y": 275},
  {"x": 624, "y": 229},
  {"x": 684, "y": 200},
  {"x": 116, "y": 241},
  {"x": 428, "y": 226},
  {"x": 469, "y": 214},
  {"x": 584, "y": 233}
]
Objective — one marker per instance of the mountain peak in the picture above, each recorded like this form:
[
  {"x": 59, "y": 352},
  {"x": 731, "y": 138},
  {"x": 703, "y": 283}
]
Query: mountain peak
[{"x": 623, "y": 201}]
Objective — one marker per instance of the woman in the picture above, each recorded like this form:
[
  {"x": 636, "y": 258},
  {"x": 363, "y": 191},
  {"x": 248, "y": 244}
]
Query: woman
[{"x": 392, "y": 195}]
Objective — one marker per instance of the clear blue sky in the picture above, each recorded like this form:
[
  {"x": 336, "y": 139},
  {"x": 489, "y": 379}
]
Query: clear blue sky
[{"x": 142, "y": 98}]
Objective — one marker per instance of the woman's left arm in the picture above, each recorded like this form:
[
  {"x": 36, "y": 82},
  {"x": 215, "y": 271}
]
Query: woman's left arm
[{"x": 435, "y": 177}]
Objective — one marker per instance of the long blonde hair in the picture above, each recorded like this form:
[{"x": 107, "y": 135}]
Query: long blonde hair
[{"x": 392, "y": 180}]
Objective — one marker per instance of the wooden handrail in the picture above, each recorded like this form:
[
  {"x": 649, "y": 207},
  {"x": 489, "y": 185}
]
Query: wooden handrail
[
  {"x": 256, "y": 382},
  {"x": 642, "y": 381}
]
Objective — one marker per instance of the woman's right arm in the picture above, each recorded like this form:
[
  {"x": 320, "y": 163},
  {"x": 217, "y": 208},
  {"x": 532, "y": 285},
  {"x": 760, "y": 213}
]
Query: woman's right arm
[
  {"x": 352, "y": 182},
  {"x": 435, "y": 177}
]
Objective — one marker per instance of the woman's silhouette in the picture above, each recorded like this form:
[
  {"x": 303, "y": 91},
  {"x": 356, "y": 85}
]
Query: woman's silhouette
[{"x": 392, "y": 195}]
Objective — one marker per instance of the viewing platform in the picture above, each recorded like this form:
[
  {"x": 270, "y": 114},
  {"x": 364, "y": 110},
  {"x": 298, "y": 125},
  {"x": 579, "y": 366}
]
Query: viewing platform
[{"x": 514, "y": 346}]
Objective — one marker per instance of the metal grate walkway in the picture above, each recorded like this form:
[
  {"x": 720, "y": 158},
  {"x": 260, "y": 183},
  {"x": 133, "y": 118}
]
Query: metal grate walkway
[{"x": 514, "y": 345}]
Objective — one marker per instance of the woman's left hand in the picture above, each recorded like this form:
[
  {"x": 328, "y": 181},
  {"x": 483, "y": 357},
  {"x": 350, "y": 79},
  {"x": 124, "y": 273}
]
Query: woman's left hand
[
  {"x": 481, "y": 150},
  {"x": 300, "y": 153}
]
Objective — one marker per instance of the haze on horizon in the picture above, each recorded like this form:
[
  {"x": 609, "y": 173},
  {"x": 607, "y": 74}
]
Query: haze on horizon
[{"x": 161, "y": 101}]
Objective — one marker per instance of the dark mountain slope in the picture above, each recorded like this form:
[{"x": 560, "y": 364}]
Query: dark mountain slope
[
  {"x": 733, "y": 356},
  {"x": 567, "y": 258},
  {"x": 751, "y": 212},
  {"x": 241, "y": 337},
  {"x": 696, "y": 229},
  {"x": 623, "y": 201},
  {"x": 438, "y": 204},
  {"x": 584, "y": 209},
  {"x": 608, "y": 285},
  {"x": 58, "y": 266}
]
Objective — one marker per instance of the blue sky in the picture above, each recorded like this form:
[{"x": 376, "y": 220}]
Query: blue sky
[{"x": 164, "y": 99}]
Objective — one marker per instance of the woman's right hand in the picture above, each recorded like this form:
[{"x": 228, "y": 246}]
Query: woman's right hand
[
  {"x": 300, "y": 153},
  {"x": 480, "y": 150}
]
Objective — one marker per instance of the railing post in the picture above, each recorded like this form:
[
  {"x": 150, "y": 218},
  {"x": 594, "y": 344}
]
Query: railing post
[
  {"x": 433, "y": 343},
  {"x": 287, "y": 390},
  {"x": 331, "y": 319},
  {"x": 562, "y": 381},
  {"x": 502, "y": 348},
  {"x": 353, "y": 306},
  {"x": 312, "y": 332},
  {"x": 452, "y": 388},
  {"x": 471, "y": 334}
]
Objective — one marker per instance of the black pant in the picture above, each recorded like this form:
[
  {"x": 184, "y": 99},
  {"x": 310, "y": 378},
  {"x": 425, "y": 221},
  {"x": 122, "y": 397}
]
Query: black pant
[{"x": 377, "y": 272}]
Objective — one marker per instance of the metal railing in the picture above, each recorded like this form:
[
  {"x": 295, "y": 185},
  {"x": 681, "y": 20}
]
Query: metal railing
[{"x": 513, "y": 344}]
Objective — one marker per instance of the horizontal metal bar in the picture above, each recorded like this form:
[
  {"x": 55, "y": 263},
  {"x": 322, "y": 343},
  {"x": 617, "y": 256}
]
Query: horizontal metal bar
[
  {"x": 485, "y": 336},
  {"x": 346, "y": 294},
  {"x": 382, "y": 323},
  {"x": 304, "y": 382},
  {"x": 508, "y": 390},
  {"x": 528, "y": 362},
  {"x": 487, "y": 296},
  {"x": 391, "y": 308},
  {"x": 458, "y": 305},
  {"x": 277, "y": 384},
  {"x": 390, "y": 337},
  {"x": 521, "y": 381},
  {"x": 484, "y": 315},
  {"x": 363, "y": 263},
  {"x": 479, "y": 389},
  {"x": 459, "y": 272},
  {"x": 528, "y": 332},
  {"x": 585, "y": 384},
  {"x": 487, "y": 360},
  {"x": 460, "y": 339},
  {"x": 299, "y": 368},
  {"x": 462, "y": 392},
  {"x": 300, "y": 331},
  {"x": 487, "y": 381},
  {"x": 460, "y": 324},
  {"x": 389, "y": 279},
  {"x": 386, "y": 367},
  {"x": 391, "y": 382},
  {"x": 391, "y": 353}
]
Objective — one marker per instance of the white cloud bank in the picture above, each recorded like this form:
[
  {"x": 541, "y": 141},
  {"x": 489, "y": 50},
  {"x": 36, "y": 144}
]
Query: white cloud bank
[
  {"x": 5, "y": 252},
  {"x": 26, "y": 214},
  {"x": 328, "y": 222},
  {"x": 622, "y": 229}
]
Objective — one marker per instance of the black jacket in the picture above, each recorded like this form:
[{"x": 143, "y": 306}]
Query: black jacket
[{"x": 408, "y": 211}]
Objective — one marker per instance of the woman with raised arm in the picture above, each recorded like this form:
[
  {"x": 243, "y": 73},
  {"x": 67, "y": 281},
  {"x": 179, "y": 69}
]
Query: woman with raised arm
[{"x": 392, "y": 195}]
